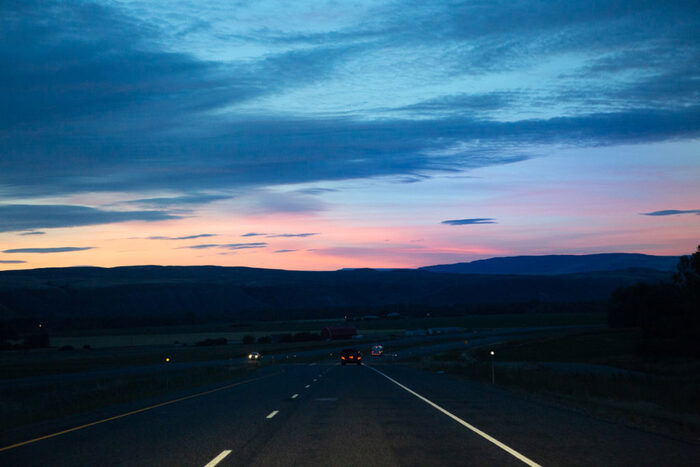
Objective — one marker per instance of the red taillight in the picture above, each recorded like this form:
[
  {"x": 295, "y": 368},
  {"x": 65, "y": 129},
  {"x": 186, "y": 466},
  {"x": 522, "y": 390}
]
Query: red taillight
[{"x": 342, "y": 358}]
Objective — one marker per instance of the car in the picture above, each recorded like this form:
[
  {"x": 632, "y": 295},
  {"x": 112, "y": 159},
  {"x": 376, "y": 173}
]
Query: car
[
  {"x": 377, "y": 350},
  {"x": 254, "y": 356},
  {"x": 350, "y": 356}
]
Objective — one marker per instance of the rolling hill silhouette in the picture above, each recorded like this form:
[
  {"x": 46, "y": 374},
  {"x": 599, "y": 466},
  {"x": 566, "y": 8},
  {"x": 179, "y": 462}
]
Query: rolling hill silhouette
[{"x": 90, "y": 296}]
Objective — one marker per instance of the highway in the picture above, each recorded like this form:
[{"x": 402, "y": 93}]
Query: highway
[
  {"x": 325, "y": 414},
  {"x": 409, "y": 347}
]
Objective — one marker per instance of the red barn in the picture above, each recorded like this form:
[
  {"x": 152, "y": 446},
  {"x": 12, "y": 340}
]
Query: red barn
[{"x": 338, "y": 332}]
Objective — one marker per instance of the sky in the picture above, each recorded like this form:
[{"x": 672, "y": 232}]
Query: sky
[{"x": 327, "y": 134}]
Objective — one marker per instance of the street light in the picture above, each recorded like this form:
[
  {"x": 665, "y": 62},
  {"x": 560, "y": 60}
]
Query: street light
[{"x": 493, "y": 374}]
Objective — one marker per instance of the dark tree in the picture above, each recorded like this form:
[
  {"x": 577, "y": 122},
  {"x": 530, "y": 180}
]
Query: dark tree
[
  {"x": 667, "y": 314},
  {"x": 248, "y": 339},
  {"x": 687, "y": 274}
]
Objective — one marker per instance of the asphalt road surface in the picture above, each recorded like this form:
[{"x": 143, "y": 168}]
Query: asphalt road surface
[{"x": 372, "y": 415}]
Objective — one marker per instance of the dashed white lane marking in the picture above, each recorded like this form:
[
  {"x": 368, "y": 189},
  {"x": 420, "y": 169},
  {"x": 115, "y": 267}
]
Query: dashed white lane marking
[
  {"x": 273, "y": 413},
  {"x": 218, "y": 458},
  {"x": 307, "y": 386},
  {"x": 294, "y": 396},
  {"x": 315, "y": 380},
  {"x": 509, "y": 450}
]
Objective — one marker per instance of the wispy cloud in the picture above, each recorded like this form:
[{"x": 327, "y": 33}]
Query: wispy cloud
[
  {"x": 5, "y": 261},
  {"x": 188, "y": 237},
  {"x": 26, "y": 234},
  {"x": 200, "y": 247},
  {"x": 244, "y": 246},
  {"x": 179, "y": 200},
  {"x": 227, "y": 246},
  {"x": 284, "y": 251},
  {"x": 672, "y": 212},
  {"x": 316, "y": 191},
  {"x": 64, "y": 249},
  {"x": 16, "y": 217},
  {"x": 476, "y": 220},
  {"x": 253, "y": 234},
  {"x": 290, "y": 235}
]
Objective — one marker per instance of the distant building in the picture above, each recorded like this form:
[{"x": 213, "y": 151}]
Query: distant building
[{"x": 338, "y": 332}]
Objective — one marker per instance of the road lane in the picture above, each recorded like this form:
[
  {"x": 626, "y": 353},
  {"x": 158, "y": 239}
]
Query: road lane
[
  {"x": 190, "y": 432},
  {"x": 544, "y": 431},
  {"x": 467, "y": 425},
  {"x": 354, "y": 416}
]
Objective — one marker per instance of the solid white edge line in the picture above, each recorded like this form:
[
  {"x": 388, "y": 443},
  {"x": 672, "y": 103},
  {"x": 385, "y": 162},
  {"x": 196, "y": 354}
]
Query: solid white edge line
[
  {"x": 218, "y": 458},
  {"x": 493, "y": 440},
  {"x": 273, "y": 413},
  {"x": 295, "y": 396}
]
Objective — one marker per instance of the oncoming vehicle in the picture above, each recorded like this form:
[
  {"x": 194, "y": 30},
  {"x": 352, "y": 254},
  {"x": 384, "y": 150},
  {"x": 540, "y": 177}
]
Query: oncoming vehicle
[
  {"x": 377, "y": 350},
  {"x": 254, "y": 356},
  {"x": 350, "y": 356}
]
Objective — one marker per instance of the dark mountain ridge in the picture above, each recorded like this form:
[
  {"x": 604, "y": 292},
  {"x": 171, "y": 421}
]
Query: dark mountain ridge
[
  {"x": 87, "y": 296},
  {"x": 558, "y": 264}
]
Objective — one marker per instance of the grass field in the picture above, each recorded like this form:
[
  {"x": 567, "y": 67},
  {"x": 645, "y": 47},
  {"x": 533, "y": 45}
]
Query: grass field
[
  {"x": 20, "y": 407},
  {"x": 600, "y": 371},
  {"x": 163, "y": 335}
]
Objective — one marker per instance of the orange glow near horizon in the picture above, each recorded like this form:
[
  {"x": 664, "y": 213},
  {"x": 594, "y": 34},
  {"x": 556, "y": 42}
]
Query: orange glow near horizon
[{"x": 540, "y": 207}]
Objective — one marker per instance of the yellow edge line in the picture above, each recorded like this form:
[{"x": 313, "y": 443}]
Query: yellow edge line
[{"x": 133, "y": 412}]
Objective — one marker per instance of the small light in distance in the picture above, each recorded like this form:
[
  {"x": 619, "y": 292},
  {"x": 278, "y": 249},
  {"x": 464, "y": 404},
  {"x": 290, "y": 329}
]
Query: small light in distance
[
  {"x": 167, "y": 359},
  {"x": 493, "y": 353}
]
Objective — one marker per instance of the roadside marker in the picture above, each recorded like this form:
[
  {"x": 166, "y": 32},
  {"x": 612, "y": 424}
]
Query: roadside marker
[
  {"x": 493, "y": 440},
  {"x": 218, "y": 458},
  {"x": 273, "y": 413}
]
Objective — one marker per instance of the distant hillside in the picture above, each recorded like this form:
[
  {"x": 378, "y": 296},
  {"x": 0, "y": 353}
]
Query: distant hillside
[
  {"x": 156, "y": 294},
  {"x": 559, "y": 264}
]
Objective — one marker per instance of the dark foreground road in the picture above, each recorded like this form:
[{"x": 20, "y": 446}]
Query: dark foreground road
[{"x": 323, "y": 414}]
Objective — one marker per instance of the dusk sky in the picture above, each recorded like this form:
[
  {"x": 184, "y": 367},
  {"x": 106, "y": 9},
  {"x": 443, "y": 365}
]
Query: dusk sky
[{"x": 331, "y": 134}]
